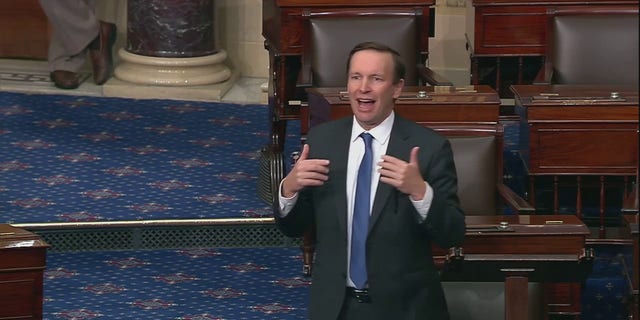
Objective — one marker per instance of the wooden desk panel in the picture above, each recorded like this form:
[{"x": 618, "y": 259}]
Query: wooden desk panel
[
  {"x": 535, "y": 237},
  {"x": 514, "y": 30},
  {"x": 517, "y": 250},
  {"x": 22, "y": 264},
  {"x": 575, "y": 130},
  {"x": 424, "y": 105},
  {"x": 25, "y": 30},
  {"x": 581, "y": 149}
]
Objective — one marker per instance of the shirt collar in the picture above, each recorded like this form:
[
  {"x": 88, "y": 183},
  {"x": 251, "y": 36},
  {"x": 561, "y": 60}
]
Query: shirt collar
[{"x": 380, "y": 133}]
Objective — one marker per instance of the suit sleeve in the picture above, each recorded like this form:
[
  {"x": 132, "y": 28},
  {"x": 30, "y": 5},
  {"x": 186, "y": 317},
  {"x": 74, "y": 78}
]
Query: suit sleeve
[
  {"x": 445, "y": 220},
  {"x": 299, "y": 219}
]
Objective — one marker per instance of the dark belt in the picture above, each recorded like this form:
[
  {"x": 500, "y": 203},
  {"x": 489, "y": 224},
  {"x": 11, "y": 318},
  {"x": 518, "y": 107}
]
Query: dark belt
[{"x": 361, "y": 295}]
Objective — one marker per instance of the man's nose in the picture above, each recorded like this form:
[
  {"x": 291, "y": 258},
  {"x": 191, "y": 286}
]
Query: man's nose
[{"x": 364, "y": 85}]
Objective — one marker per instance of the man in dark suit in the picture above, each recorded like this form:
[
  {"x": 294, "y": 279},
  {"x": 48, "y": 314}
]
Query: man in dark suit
[{"x": 413, "y": 202}]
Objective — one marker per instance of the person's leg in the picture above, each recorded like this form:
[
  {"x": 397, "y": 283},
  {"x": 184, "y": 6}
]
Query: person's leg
[
  {"x": 111, "y": 11},
  {"x": 74, "y": 26},
  {"x": 101, "y": 49}
]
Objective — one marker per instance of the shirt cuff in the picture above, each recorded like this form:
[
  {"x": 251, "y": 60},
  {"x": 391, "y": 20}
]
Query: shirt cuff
[
  {"x": 422, "y": 206},
  {"x": 285, "y": 204}
]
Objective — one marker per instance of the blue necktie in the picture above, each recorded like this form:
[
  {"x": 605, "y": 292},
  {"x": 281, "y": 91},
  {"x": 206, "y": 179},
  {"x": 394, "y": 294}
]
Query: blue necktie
[{"x": 358, "y": 266}]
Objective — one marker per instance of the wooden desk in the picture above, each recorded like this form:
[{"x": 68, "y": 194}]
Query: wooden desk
[
  {"x": 22, "y": 264},
  {"x": 508, "y": 39},
  {"x": 424, "y": 105},
  {"x": 630, "y": 227},
  {"x": 519, "y": 249},
  {"x": 578, "y": 131}
]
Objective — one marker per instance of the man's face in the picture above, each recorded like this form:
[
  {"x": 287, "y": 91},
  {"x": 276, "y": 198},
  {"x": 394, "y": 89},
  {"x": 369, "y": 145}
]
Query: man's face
[{"x": 371, "y": 88}]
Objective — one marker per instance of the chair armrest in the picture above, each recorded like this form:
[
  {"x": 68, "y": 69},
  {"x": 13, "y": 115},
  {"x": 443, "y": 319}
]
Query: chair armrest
[
  {"x": 433, "y": 78},
  {"x": 304, "y": 81},
  {"x": 514, "y": 201},
  {"x": 447, "y": 259},
  {"x": 545, "y": 74}
]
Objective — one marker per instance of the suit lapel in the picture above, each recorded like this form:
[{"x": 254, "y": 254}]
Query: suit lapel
[{"x": 396, "y": 148}]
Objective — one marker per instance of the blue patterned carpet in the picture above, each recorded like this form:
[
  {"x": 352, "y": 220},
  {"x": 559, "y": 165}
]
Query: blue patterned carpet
[
  {"x": 71, "y": 159},
  {"x": 194, "y": 284},
  {"x": 68, "y": 159},
  {"x": 239, "y": 283}
]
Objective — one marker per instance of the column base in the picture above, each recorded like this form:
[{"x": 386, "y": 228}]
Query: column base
[
  {"x": 172, "y": 71},
  {"x": 211, "y": 92},
  {"x": 200, "y": 79}
]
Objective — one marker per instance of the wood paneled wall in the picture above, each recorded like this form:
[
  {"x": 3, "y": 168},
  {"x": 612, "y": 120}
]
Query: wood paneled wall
[{"x": 24, "y": 28}]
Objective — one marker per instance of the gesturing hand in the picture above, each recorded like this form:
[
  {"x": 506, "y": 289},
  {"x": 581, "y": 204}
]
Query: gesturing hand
[
  {"x": 305, "y": 173},
  {"x": 404, "y": 176}
]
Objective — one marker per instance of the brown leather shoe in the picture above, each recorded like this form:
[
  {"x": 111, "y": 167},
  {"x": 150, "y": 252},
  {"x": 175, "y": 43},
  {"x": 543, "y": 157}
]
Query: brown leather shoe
[
  {"x": 100, "y": 52},
  {"x": 65, "y": 79}
]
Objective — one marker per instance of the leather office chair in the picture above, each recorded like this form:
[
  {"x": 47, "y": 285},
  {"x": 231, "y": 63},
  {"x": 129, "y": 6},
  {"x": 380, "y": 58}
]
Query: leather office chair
[
  {"x": 478, "y": 155},
  {"x": 331, "y": 39},
  {"x": 591, "y": 46}
]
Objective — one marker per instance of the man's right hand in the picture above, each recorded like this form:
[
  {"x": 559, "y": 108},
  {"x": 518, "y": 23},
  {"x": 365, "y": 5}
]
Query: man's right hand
[{"x": 305, "y": 173}]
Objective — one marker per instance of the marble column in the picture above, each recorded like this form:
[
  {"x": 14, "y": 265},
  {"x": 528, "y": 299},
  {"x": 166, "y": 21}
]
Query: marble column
[{"x": 171, "y": 43}]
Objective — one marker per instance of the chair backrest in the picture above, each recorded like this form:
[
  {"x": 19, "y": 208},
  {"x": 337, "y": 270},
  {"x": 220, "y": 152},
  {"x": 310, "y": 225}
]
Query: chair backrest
[
  {"x": 594, "y": 47},
  {"x": 477, "y": 153},
  {"x": 333, "y": 38}
]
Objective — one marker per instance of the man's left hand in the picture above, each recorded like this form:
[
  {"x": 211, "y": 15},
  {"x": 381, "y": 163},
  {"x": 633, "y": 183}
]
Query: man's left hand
[{"x": 404, "y": 176}]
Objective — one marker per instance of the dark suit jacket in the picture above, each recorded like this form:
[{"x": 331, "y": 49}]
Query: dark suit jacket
[{"x": 403, "y": 281}]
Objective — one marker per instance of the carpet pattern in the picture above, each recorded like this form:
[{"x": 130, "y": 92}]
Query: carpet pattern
[
  {"x": 68, "y": 159},
  {"x": 202, "y": 284}
]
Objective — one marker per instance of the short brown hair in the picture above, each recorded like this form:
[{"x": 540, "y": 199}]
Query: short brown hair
[{"x": 398, "y": 66}]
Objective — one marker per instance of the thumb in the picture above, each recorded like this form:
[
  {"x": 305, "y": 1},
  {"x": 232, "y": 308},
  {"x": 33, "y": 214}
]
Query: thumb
[
  {"x": 305, "y": 152},
  {"x": 413, "y": 157}
]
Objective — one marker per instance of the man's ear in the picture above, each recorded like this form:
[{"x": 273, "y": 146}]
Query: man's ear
[{"x": 398, "y": 89}]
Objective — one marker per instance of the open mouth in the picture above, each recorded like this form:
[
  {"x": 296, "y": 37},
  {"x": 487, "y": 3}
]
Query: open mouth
[{"x": 366, "y": 103}]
